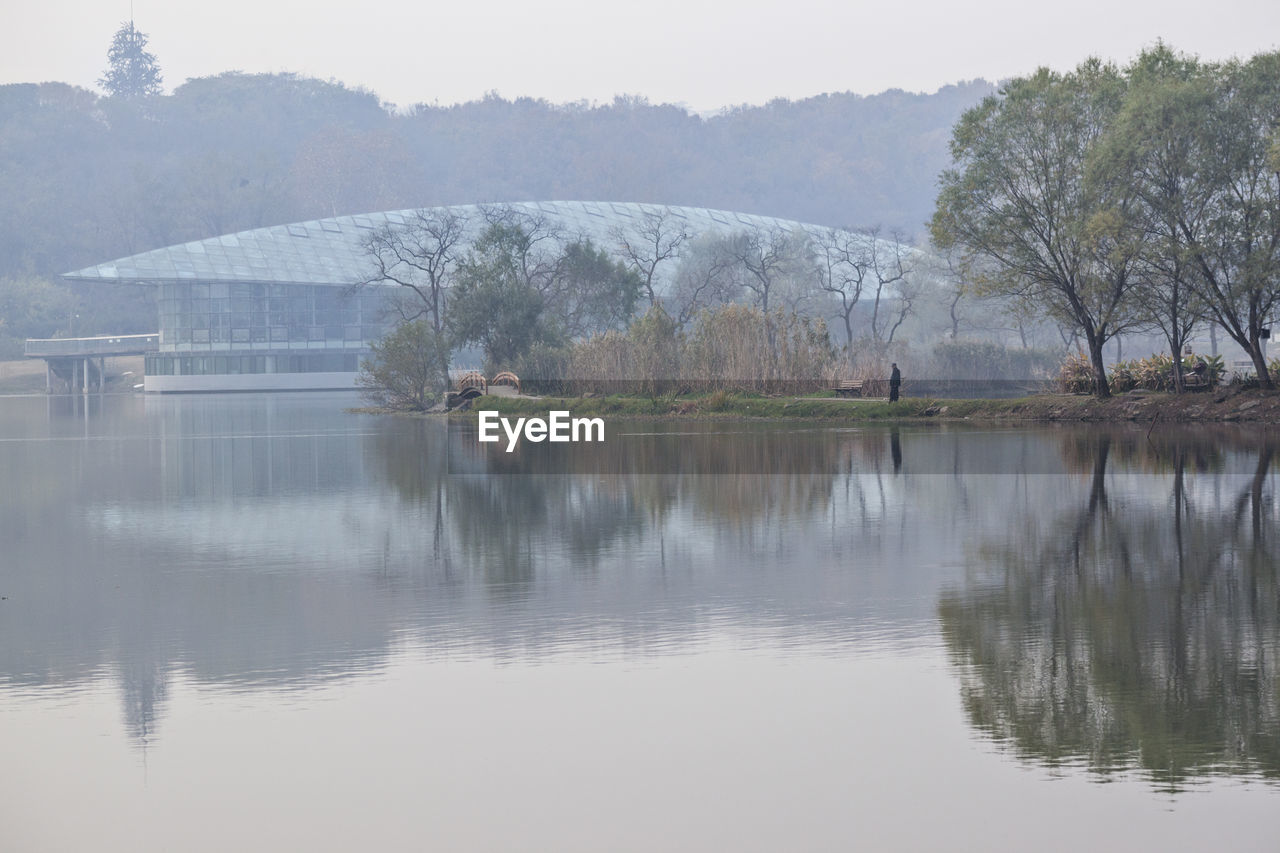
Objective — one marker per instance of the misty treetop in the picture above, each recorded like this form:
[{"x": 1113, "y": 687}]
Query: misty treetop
[
  {"x": 132, "y": 71},
  {"x": 86, "y": 178}
]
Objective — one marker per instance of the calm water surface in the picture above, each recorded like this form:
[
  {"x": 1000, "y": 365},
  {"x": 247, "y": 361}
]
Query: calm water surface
[{"x": 258, "y": 622}]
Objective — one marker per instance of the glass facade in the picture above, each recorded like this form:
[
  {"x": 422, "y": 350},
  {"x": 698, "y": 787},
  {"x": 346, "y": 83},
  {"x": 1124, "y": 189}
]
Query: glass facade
[
  {"x": 222, "y": 316},
  {"x": 247, "y": 303},
  {"x": 335, "y": 251},
  {"x": 174, "y": 364}
]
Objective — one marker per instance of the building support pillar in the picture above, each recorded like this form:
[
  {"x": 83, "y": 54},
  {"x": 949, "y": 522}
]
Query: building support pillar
[
  {"x": 84, "y": 380},
  {"x": 48, "y": 376},
  {"x": 102, "y": 373}
]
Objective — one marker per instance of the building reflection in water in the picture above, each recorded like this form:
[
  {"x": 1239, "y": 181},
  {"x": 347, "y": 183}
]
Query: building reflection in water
[{"x": 280, "y": 543}]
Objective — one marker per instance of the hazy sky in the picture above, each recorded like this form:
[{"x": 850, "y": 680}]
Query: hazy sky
[{"x": 700, "y": 53}]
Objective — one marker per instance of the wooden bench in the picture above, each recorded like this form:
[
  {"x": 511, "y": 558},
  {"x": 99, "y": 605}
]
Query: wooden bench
[
  {"x": 1194, "y": 381},
  {"x": 849, "y": 388}
]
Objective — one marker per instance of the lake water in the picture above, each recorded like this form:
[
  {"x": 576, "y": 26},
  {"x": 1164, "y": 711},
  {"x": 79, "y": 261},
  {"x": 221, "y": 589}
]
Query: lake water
[{"x": 260, "y": 622}]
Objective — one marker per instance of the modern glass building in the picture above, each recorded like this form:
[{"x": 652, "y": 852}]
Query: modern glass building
[
  {"x": 299, "y": 333},
  {"x": 277, "y": 308}
]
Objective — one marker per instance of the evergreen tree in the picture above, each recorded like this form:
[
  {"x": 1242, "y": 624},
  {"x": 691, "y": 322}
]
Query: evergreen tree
[{"x": 132, "y": 71}]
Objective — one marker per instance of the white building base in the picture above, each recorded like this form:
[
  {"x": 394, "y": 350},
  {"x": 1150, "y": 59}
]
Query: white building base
[{"x": 251, "y": 382}]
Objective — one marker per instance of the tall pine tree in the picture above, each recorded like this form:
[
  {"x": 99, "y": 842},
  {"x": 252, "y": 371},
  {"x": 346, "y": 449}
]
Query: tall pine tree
[{"x": 132, "y": 71}]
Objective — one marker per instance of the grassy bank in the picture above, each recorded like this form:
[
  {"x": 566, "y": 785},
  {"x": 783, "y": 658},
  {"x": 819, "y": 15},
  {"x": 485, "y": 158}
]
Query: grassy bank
[
  {"x": 24, "y": 376},
  {"x": 724, "y": 406},
  {"x": 1223, "y": 405}
]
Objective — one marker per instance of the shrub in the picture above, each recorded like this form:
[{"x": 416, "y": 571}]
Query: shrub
[
  {"x": 1122, "y": 377},
  {"x": 740, "y": 347},
  {"x": 544, "y": 369},
  {"x": 1076, "y": 375},
  {"x": 716, "y": 401},
  {"x": 1155, "y": 373},
  {"x": 604, "y": 363},
  {"x": 655, "y": 342},
  {"x": 406, "y": 368},
  {"x": 645, "y": 358},
  {"x": 1217, "y": 367}
]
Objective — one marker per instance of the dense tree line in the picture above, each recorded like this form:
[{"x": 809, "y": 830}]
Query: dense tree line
[
  {"x": 85, "y": 178},
  {"x": 520, "y": 284},
  {"x": 1118, "y": 199},
  {"x": 656, "y": 306}
]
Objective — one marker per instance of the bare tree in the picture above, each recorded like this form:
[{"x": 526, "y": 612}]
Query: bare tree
[
  {"x": 797, "y": 285},
  {"x": 949, "y": 270},
  {"x": 968, "y": 310},
  {"x": 843, "y": 263},
  {"x": 767, "y": 254},
  {"x": 910, "y": 288},
  {"x": 891, "y": 270},
  {"x": 1069, "y": 334},
  {"x": 539, "y": 244},
  {"x": 707, "y": 276},
  {"x": 419, "y": 255},
  {"x": 656, "y": 239},
  {"x": 953, "y": 306}
]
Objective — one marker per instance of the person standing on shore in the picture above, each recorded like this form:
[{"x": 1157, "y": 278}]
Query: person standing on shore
[{"x": 895, "y": 382}]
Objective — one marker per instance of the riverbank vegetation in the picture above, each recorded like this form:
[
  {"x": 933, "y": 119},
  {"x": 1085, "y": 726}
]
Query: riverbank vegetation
[
  {"x": 1156, "y": 216},
  {"x": 1080, "y": 207},
  {"x": 1228, "y": 405},
  {"x": 743, "y": 310}
]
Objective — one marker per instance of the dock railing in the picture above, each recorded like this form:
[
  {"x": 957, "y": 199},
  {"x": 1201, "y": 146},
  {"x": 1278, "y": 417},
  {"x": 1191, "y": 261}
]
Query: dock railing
[{"x": 101, "y": 345}]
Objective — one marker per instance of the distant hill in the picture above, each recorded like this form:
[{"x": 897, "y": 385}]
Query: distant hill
[{"x": 85, "y": 178}]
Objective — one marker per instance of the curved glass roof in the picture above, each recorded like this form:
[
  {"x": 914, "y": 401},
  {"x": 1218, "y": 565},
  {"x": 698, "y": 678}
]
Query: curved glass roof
[{"x": 332, "y": 251}]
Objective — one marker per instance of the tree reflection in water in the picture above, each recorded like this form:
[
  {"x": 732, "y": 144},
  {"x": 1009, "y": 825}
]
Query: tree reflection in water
[
  {"x": 503, "y": 516},
  {"x": 1129, "y": 634},
  {"x": 273, "y": 543}
]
